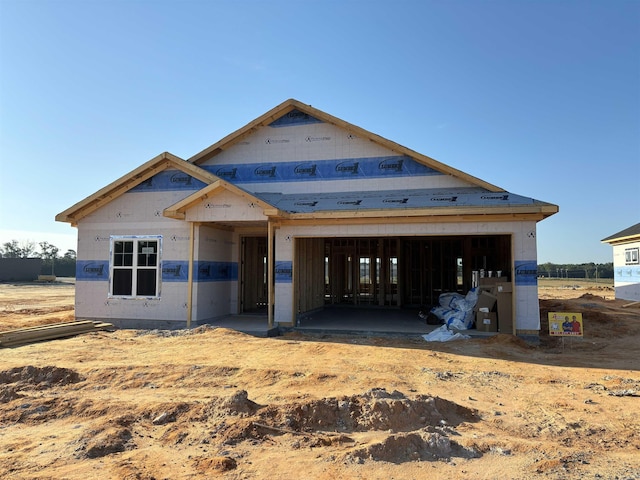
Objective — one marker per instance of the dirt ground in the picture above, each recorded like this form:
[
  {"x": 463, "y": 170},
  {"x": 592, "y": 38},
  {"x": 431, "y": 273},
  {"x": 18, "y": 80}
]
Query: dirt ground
[{"x": 215, "y": 403}]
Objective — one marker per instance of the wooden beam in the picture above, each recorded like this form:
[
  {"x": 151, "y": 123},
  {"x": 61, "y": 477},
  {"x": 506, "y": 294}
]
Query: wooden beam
[
  {"x": 39, "y": 333},
  {"x": 413, "y": 220},
  {"x": 270, "y": 274},
  {"x": 424, "y": 212},
  {"x": 190, "y": 274}
]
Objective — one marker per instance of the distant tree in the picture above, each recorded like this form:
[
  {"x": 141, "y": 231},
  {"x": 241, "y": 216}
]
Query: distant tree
[
  {"x": 49, "y": 252},
  {"x": 13, "y": 249},
  {"x": 65, "y": 266},
  {"x": 545, "y": 269}
]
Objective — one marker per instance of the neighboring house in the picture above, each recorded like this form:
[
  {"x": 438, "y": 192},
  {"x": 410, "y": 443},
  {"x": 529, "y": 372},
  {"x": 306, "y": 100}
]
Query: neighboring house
[
  {"x": 295, "y": 212},
  {"x": 626, "y": 262}
]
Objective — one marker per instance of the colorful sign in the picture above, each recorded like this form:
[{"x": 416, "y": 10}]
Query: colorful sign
[{"x": 565, "y": 324}]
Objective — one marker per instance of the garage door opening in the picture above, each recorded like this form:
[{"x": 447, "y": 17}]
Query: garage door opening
[{"x": 392, "y": 272}]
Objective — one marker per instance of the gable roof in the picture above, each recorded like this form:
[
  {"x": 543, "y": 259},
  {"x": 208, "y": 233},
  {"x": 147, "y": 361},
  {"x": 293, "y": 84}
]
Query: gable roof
[
  {"x": 626, "y": 235},
  {"x": 292, "y": 104},
  {"x": 286, "y": 206},
  {"x": 178, "y": 210},
  {"x": 125, "y": 183}
]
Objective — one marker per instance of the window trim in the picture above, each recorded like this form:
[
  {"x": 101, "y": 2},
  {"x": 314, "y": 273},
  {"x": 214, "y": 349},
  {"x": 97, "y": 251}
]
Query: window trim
[
  {"x": 632, "y": 256},
  {"x": 135, "y": 267}
]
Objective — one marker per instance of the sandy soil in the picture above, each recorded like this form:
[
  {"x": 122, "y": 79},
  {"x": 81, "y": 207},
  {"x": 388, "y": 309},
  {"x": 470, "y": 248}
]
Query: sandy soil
[{"x": 214, "y": 403}]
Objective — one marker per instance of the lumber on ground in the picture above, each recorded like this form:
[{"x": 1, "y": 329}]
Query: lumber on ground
[{"x": 23, "y": 336}]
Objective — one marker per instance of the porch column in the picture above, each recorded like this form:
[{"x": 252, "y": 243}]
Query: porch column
[
  {"x": 190, "y": 275},
  {"x": 270, "y": 273}
]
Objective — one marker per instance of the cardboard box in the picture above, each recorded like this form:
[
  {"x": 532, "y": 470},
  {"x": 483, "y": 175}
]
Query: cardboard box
[
  {"x": 503, "y": 287},
  {"x": 485, "y": 300},
  {"x": 491, "y": 281},
  {"x": 504, "y": 307},
  {"x": 486, "y": 322}
]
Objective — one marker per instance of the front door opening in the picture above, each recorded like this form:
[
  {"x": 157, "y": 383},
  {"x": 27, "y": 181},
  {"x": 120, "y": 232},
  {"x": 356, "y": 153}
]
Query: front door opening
[{"x": 254, "y": 295}]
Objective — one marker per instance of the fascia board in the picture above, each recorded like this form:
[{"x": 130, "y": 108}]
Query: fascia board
[
  {"x": 544, "y": 210},
  {"x": 130, "y": 180}
]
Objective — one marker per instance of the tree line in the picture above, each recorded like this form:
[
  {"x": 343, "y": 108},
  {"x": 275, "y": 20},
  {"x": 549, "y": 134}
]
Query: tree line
[
  {"x": 52, "y": 262},
  {"x": 576, "y": 270}
]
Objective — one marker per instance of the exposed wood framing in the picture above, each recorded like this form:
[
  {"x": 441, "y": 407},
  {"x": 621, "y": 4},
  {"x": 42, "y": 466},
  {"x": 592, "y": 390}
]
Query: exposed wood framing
[
  {"x": 309, "y": 274},
  {"x": 425, "y": 218},
  {"x": 39, "y": 333},
  {"x": 270, "y": 274},
  {"x": 428, "y": 212},
  {"x": 192, "y": 230}
]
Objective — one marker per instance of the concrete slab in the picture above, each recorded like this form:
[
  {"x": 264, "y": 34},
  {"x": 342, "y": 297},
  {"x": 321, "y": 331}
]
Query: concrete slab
[{"x": 340, "y": 321}]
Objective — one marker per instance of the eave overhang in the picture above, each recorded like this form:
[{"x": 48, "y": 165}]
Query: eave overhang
[
  {"x": 628, "y": 235},
  {"x": 419, "y": 216},
  {"x": 125, "y": 183}
]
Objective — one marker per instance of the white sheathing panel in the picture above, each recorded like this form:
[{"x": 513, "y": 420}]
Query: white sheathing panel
[
  {"x": 319, "y": 157},
  {"x": 283, "y": 291},
  {"x": 527, "y": 306},
  {"x": 216, "y": 289},
  {"x": 626, "y": 273},
  {"x": 136, "y": 208},
  {"x": 524, "y": 270},
  {"x": 225, "y": 206},
  {"x": 92, "y": 283},
  {"x": 132, "y": 214},
  {"x": 305, "y": 142}
]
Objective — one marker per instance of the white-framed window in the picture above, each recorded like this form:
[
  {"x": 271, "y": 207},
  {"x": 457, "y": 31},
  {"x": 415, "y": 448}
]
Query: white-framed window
[
  {"x": 134, "y": 266},
  {"x": 631, "y": 256}
]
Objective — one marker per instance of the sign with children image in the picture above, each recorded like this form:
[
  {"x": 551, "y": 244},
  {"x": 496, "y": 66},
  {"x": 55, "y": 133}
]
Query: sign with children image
[{"x": 565, "y": 324}]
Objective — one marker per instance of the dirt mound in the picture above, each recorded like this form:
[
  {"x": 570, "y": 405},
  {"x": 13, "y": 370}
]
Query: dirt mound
[
  {"x": 238, "y": 403},
  {"x": 219, "y": 464},
  {"x": 39, "y": 377},
  {"x": 376, "y": 409},
  {"x": 102, "y": 442},
  {"x": 330, "y": 421},
  {"x": 8, "y": 394},
  {"x": 406, "y": 428},
  {"x": 405, "y": 447}
]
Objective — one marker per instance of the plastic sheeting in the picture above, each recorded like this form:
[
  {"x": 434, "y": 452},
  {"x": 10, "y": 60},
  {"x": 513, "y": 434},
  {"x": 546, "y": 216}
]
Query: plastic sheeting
[
  {"x": 456, "y": 310},
  {"x": 443, "y": 334}
]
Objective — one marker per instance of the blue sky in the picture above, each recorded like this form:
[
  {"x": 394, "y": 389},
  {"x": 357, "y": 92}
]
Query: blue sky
[{"x": 541, "y": 98}]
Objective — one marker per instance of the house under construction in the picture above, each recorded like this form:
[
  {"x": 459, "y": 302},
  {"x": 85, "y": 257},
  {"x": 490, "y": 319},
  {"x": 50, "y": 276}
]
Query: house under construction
[{"x": 296, "y": 212}]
